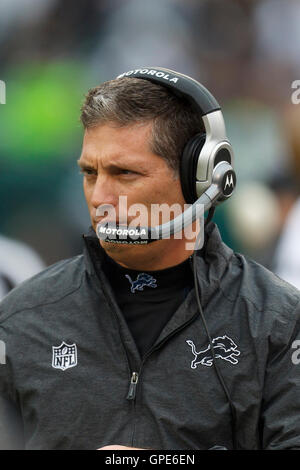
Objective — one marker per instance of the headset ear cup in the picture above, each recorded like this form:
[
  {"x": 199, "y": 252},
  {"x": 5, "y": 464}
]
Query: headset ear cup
[{"x": 188, "y": 167}]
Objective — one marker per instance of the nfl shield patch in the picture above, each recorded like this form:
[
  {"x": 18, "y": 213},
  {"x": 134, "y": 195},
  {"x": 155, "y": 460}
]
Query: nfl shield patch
[{"x": 64, "y": 356}]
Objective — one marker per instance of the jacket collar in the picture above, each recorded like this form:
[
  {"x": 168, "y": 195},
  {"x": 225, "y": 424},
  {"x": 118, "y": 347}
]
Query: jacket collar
[{"x": 212, "y": 260}]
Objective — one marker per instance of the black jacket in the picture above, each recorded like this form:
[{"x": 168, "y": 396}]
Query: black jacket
[{"x": 70, "y": 360}]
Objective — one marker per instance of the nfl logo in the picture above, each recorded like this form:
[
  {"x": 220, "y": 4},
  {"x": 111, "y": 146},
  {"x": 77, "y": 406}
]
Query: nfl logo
[{"x": 64, "y": 356}]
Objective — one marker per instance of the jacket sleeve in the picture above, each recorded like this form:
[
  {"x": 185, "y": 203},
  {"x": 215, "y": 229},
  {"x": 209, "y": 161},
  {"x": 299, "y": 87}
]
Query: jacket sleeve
[
  {"x": 11, "y": 428},
  {"x": 281, "y": 398},
  {"x": 11, "y": 425}
]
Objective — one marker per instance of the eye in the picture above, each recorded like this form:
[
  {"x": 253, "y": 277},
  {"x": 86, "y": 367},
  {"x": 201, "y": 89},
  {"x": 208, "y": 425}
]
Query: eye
[
  {"x": 88, "y": 172},
  {"x": 126, "y": 172}
]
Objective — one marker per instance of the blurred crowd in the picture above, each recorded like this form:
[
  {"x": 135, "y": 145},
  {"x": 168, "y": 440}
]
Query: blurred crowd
[{"x": 52, "y": 51}]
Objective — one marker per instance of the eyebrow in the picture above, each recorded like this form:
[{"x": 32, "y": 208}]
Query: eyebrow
[
  {"x": 85, "y": 166},
  {"x": 112, "y": 167}
]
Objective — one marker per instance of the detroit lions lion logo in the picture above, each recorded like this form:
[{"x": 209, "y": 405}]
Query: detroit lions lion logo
[
  {"x": 224, "y": 348},
  {"x": 141, "y": 281}
]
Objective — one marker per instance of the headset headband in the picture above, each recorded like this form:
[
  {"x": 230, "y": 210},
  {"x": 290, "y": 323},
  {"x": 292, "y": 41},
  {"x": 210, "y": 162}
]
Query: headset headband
[
  {"x": 187, "y": 87},
  {"x": 217, "y": 147}
]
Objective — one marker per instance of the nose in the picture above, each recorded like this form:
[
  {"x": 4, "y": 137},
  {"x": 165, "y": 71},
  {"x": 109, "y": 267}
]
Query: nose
[{"x": 104, "y": 192}]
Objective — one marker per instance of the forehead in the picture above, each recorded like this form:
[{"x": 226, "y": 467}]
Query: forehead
[{"x": 111, "y": 141}]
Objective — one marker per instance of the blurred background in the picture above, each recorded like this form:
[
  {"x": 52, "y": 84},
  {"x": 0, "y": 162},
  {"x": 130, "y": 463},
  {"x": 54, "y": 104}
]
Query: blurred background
[{"x": 52, "y": 51}]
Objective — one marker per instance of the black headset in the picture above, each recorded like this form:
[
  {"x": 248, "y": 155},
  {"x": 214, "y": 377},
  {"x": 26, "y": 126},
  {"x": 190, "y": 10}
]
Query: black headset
[
  {"x": 204, "y": 151},
  {"x": 206, "y": 171}
]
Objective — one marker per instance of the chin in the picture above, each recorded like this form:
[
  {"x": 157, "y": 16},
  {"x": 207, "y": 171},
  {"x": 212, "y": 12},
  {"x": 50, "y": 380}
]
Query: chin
[
  {"x": 124, "y": 253},
  {"x": 110, "y": 247}
]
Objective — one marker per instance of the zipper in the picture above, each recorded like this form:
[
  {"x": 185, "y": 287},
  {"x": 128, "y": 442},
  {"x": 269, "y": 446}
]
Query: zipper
[
  {"x": 132, "y": 386},
  {"x": 135, "y": 375}
]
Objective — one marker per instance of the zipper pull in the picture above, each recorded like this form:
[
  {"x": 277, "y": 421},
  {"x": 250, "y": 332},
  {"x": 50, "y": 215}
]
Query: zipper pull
[{"x": 132, "y": 387}]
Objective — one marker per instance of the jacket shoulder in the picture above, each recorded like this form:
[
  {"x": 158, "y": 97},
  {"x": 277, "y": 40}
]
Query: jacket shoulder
[
  {"x": 266, "y": 289},
  {"x": 270, "y": 303},
  {"x": 48, "y": 286}
]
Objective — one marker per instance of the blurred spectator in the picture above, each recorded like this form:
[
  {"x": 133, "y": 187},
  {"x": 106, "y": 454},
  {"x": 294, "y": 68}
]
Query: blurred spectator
[
  {"x": 287, "y": 255},
  {"x": 17, "y": 263},
  {"x": 254, "y": 214},
  {"x": 286, "y": 190}
]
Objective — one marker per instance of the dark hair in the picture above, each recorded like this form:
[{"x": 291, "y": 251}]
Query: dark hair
[{"x": 126, "y": 101}]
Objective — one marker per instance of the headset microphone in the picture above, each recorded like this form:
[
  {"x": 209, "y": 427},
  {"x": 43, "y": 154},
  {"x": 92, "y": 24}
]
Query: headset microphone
[{"x": 223, "y": 184}]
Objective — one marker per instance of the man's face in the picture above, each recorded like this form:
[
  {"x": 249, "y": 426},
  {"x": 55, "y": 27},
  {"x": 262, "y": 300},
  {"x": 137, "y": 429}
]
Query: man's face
[{"x": 117, "y": 161}]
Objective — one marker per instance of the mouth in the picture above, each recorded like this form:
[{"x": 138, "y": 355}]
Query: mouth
[
  {"x": 114, "y": 233},
  {"x": 121, "y": 222},
  {"x": 110, "y": 222},
  {"x": 106, "y": 219}
]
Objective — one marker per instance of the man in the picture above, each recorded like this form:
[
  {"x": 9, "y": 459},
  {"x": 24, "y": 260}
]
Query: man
[{"x": 108, "y": 350}]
